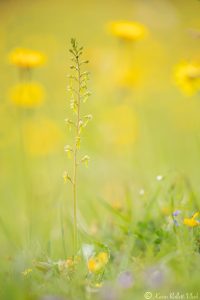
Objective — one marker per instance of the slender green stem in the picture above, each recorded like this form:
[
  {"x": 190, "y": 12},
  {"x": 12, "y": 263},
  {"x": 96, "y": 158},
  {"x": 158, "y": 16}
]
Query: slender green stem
[
  {"x": 75, "y": 164},
  {"x": 79, "y": 94}
]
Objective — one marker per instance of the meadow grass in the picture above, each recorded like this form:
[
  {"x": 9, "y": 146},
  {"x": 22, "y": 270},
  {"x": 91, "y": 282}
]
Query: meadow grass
[{"x": 126, "y": 227}]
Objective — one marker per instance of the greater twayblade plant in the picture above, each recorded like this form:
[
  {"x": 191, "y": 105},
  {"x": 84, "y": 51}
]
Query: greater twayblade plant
[{"x": 79, "y": 94}]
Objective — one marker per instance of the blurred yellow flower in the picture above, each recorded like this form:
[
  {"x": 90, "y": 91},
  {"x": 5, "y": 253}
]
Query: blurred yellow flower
[
  {"x": 126, "y": 30},
  {"x": 103, "y": 257},
  {"x": 64, "y": 265},
  {"x": 27, "y": 95},
  {"x": 98, "y": 284},
  {"x": 121, "y": 126},
  {"x": 117, "y": 204},
  {"x": 93, "y": 265},
  {"x": 27, "y": 272},
  {"x": 70, "y": 262},
  {"x": 127, "y": 77},
  {"x": 97, "y": 263},
  {"x": 191, "y": 222},
  {"x": 26, "y": 58},
  {"x": 41, "y": 137},
  {"x": 165, "y": 210},
  {"x": 187, "y": 77}
]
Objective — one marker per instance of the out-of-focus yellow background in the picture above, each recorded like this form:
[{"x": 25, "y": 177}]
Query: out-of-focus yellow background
[{"x": 144, "y": 124}]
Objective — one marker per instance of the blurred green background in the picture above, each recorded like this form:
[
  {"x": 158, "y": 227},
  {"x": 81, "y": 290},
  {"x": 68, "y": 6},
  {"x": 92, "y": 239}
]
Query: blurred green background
[{"x": 143, "y": 125}]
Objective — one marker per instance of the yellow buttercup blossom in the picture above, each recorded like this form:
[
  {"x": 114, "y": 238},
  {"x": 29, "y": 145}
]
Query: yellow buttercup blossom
[
  {"x": 26, "y": 58},
  {"x": 191, "y": 222},
  {"x": 27, "y": 94},
  {"x": 41, "y": 137},
  {"x": 97, "y": 263},
  {"x": 126, "y": 30},
  {"x": 93, "y": 265},
  {"x": 187, "y": 77}
]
